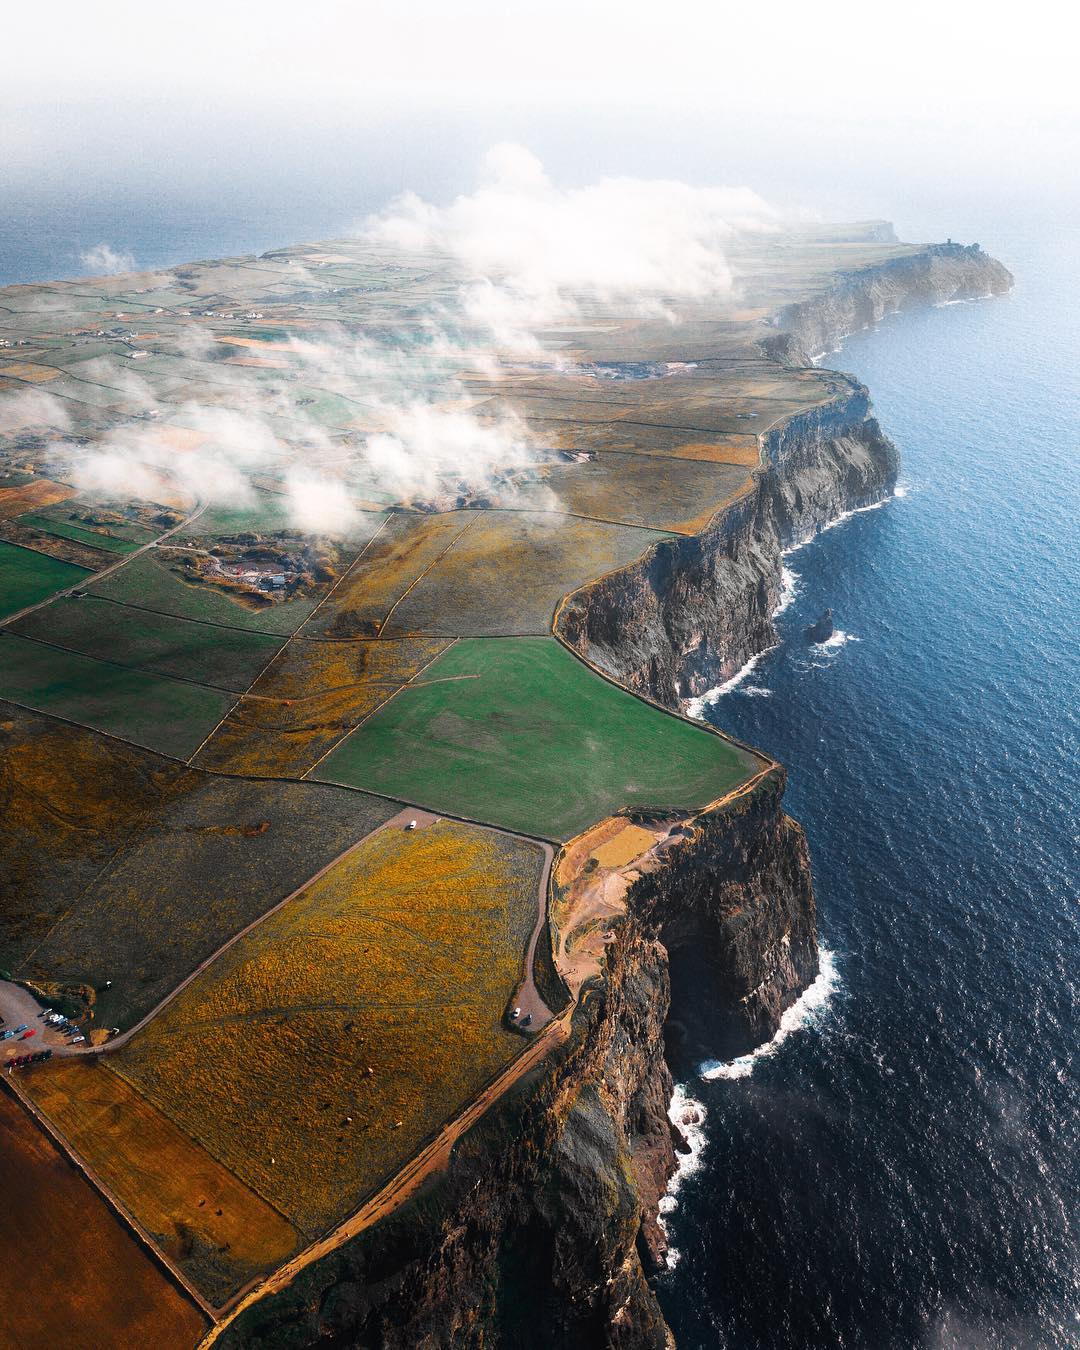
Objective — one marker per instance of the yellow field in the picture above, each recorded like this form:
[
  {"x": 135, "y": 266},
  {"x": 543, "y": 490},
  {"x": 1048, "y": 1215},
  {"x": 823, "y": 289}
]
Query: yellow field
[
  {"x": 624, "y": 846},
  {"x": 215, "y": 1228},
  {"x": 32, "y": 496},
  {"x": 306, "y": 700},
  {"x": 316, "y": 1054},
  {"x": 25, "y": 370}
]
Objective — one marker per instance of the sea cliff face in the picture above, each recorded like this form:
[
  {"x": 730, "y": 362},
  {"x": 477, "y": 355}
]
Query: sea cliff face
[
  {"x": 544, "y": 1230},
  {"x": 936, "y": 275},
  {"x": 694, "y": 610}
]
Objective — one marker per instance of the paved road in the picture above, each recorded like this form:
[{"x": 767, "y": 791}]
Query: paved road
[{"x": 95, "y": 577}]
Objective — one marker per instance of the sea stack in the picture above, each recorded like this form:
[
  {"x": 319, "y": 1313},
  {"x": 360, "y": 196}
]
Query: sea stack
[{"x": 822, "y": 630}]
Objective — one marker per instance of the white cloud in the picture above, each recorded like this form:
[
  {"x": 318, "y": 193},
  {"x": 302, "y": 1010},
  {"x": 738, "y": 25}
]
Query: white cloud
[
  {"x": 104, "y": 261},
  {"x": 535, "y": 254}
]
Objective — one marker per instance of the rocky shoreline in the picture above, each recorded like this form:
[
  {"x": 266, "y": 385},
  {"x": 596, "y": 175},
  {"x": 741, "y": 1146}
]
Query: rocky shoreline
[{"x": 545, "y": 1229}]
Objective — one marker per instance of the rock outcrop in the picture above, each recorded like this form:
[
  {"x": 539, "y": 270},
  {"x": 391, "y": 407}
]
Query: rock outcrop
[{"x": 822, "y": 629}]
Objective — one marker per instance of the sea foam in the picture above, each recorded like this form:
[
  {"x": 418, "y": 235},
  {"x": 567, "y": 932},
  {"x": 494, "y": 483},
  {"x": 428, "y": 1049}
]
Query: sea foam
[
  {"x": 688, "y": 1114},
  {"x": 805, "y": 1012}
]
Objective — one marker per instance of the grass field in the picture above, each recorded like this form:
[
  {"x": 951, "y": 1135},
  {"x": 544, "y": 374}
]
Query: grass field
[
  {"x": 152, "y": 711},
  {"x": 225, "y": 658},
  {"x": 82, "y": 534},
  {"x": 519, "y": 733},
  {"x": 149, "y": 583},
  {"x": 308, "y": 699},
  {"x": 121, "y": 866},
  {"x": 216, "y": 1229},
  {"x": 507, "y": 573},
  {"x": 72, "y": 1273},
  {"x": 27, "y": 577},
  {"x": 399, "y": 961}
]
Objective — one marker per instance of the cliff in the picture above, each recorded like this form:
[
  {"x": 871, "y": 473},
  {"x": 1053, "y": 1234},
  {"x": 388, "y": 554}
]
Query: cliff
[
  {"x": 693, "y": 610},
  {"x": 544, "y": 1231},
  {"x": 935, "y": 275}
]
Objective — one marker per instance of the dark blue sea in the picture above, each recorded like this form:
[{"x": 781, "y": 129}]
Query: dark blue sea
[{"x": 901, "y": 1169}]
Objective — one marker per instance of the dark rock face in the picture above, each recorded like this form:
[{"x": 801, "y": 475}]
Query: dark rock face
[
  {"x": 693, "y": 611},
  {"x": 823, "y": 629}
]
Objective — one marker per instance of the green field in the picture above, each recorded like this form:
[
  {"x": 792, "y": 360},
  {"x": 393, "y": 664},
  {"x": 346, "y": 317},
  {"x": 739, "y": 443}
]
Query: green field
[
  {"x": 83, "y": 534},
  {"x": 223, "y": 658},
  {"x": 518, "y": 733},
  {"x": 148, "y": 583},
  {"x": 27, "y": 577},
  {"x": 150, "y": 710}
]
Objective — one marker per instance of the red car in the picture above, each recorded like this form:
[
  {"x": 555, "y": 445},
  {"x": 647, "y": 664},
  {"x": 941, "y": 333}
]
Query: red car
[{"x": 27, "y": 1034}]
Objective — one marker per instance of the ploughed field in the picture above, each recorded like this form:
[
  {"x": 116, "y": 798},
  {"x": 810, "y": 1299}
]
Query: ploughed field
[{"x": 216, "y": 726}]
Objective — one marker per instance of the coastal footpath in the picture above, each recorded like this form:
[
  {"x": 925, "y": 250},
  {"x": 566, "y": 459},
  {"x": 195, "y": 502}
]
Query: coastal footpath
[{"x": 544, "y": 1227}]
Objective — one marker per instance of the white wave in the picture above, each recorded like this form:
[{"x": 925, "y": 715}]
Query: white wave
[
  {"x": 841, "y": 519},
  {"x": 901, "y": 490},
  {"x": 695, "y": 707},
  {"x": 838, "y": 639},
  {"x": 805, "y": 1012},
  {"x": 686, "y": 1112},
  {"x": 789, "y": 589},
  {"x": 756, "y": 691}
]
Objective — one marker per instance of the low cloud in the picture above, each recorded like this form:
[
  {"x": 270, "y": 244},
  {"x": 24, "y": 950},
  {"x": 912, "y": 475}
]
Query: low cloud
[
  {"x": 411, "y": 426},
  {"x": 535, "y": 255},
  {"x": 104, "y": 261},
  {"x": 31, "y": 408}
]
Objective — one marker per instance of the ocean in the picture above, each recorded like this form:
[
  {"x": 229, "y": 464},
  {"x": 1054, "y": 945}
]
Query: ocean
[{"x": 900, "y": 1168}]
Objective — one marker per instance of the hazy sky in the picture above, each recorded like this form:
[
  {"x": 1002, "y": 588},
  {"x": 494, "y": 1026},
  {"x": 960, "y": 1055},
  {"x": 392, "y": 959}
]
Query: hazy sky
[
  {"x": 295, "y": 119},
  {"x": 960, "y": 60}
]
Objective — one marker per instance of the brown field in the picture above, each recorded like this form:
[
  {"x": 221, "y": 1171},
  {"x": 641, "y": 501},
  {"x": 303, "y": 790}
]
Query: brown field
[
  {"x": 217, "y": 1230},
  {"x": 510, "y": 570},
  {"x": 231, "y": 341},
  {"x": 402, "y": 552},
  {"x": 32, "y": 496},
  {"x": 307, "y": 699},
  {"x": 120, "y": 865},
  {"x": 318, "y": 1052},
  {"x": 25, "y": 370},
  {"x": 72, "y": 1273}
]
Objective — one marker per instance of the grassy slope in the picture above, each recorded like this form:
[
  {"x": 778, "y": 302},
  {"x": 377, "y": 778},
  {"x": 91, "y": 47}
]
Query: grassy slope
[{"x": 519, "y": 733}]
